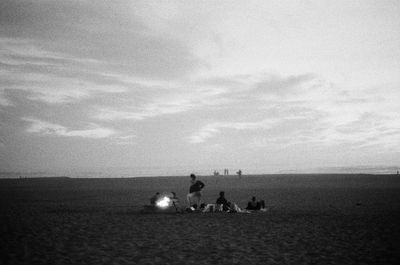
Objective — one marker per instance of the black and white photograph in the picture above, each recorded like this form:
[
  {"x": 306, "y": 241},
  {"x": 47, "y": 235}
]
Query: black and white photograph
[{"x": 199, "y": 132}]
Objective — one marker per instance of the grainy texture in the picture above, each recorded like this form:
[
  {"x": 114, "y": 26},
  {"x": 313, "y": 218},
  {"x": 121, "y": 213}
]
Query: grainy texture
[{"x": 312, "y": 219}]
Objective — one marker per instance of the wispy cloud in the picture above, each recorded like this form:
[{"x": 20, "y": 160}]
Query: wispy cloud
[
  {"x": 4, "y": 101},
  {"x": 53, "y": 77},
  {"x": 370, "y": 129},
  {"x": 282, "y": 85},
  {"x": 230, "y": 93},
  {"x": 125, "y": 140},
  {"x": 164, "y": 102},
  {"x": 212, "y": 129},
  {"x": 25, "y": 52},
  {"x": 2, "y": 141},
  {"x": 46, "y": 128},
  {"x": 148, "y": 111}
]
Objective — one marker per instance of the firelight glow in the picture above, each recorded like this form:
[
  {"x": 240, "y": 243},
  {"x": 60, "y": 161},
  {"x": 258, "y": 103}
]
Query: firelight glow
[{"x": 163, "y": 202}]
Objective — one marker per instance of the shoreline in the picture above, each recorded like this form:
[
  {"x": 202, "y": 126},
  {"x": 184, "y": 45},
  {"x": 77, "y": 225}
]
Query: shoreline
[{"x": 206, "y": 176}]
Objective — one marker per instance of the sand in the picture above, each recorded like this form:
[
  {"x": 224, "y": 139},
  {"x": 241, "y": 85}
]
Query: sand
[{"x": 311, "y": 219}]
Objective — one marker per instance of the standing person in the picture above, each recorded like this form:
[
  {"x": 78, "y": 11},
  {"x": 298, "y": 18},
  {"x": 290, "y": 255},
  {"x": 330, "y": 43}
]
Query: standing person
[{"x": 195, "y": 190}]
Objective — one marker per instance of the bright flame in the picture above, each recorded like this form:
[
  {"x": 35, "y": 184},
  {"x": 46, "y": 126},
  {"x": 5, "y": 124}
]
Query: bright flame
[{"x": 163, "y": 203}]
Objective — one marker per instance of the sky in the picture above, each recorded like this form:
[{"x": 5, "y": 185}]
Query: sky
[{"x": 165, "y": 87}]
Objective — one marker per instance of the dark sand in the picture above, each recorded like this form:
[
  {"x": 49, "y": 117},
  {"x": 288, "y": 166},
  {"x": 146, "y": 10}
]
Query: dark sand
[{"x": 312, "y": 219}]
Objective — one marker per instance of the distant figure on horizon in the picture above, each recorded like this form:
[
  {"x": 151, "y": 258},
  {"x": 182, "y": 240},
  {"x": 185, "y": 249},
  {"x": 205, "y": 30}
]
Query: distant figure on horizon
[
  {"x": 194, "y": 190},
  {"x": 226, "y": 171},
  {"x": 239, "y": 173},
  {"x": 397, "y": 172}
]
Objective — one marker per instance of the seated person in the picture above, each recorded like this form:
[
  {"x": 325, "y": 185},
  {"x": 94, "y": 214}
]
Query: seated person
[
  {"x": 255, "y": 205},
  {"x": 262, "y": 205},
  {"x": 174, "y": 202},
  {"x": 223, "y": 201},
  {"x": 174, "y": 199},
  {"x": 154, "y": 199}
]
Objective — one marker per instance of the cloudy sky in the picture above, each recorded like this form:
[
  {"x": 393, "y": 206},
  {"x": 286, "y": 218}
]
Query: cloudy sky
[{"x": 264, "y": 86}]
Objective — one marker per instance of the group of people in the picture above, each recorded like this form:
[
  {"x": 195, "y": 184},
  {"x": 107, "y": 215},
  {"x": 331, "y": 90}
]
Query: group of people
[
  {"x": 226, "y": 172},
  {"x": 194, "y": 200}
]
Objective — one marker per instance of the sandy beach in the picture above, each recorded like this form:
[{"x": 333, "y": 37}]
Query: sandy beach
[{"x": 311, "y": 219}]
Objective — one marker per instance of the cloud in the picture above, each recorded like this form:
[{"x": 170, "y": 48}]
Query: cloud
[
  {"x": 69, "y": 51},
  {"x": 111, "y": 33},
  {"x": 260, "y": 88},
  {"x": 282, "y": 86},
  {"x": 20, "y": 52},
  {"x": 370, "y": 129},
  {"x": 283, "y": 103},
  {"x": 212, "y": 129},
  {"x": 2, "y": 141},
  {"x": 276, "y": 130},
  {"x": 125, "y": 140},
  {"x": 4, "y": 101},
  {"x": 206, "y": 132},
  {"x": 53, "y": 77},
  {"x": 365, "y": 123},
  {"x": 204, "y": 93},
  {"x": 153, "y": 109},
  {"x": 47, "y": 128},
  {"x": 283, "y": 123},
  {"x": 163, "y": 101}
]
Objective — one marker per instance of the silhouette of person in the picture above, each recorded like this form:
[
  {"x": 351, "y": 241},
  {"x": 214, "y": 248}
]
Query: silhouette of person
[
  {"x": 194, "y": 190},
  {"x": 173, "y": 197},
  {"x": 222, "y": 201},
  {"x": 175, "y": 201},
  {"x": 255, "y": 205},
  {"x": 154, "y": 199}
]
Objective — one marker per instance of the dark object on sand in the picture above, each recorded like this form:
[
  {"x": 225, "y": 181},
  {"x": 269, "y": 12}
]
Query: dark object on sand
[
  {"x": 154, "y": 199},
  {"x": 223, "y": 201},
  {"x": 255, "y": 205}
]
